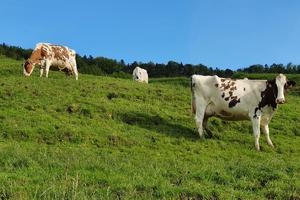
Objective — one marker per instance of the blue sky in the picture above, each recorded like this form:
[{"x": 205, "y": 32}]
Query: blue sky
[{"x": 217, "y": 33}]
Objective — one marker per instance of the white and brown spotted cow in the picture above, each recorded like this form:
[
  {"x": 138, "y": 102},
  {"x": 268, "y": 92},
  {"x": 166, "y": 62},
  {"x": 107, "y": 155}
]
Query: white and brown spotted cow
[
  {"x": 46, "y": 55},
  {"x": 229, "y": 99}
]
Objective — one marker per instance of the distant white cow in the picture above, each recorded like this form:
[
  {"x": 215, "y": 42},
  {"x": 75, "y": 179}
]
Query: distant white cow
[
  {"x": 140, "y": 75},
  {"x": 46, "y": 55},
  {"x": 230, "y": 99}
]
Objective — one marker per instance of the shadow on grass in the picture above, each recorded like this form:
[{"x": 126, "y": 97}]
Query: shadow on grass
[{"x": 158, "y": 124}]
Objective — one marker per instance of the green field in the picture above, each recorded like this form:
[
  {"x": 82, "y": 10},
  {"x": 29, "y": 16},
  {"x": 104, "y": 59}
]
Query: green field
[{"x": 107, "y": 138}]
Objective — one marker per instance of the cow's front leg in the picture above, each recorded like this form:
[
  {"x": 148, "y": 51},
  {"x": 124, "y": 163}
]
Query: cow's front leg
[
  {"x": 75, "y": 71},
  {"x": 256, "y": 131},
  {"x": 41, "y": 71},
  {"x": 47, "y": 69},
  {"x": 265, "y": 129}
]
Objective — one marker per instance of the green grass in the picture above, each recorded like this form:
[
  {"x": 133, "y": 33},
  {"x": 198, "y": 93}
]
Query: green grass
[{"x": 109, "y": 138}]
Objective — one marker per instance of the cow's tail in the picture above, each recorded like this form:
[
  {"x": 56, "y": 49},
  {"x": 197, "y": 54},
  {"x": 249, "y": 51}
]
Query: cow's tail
[{"x": 193, "y": 103}]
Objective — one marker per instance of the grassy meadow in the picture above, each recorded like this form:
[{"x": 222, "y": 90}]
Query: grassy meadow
[{"x": 108, "y": 138}]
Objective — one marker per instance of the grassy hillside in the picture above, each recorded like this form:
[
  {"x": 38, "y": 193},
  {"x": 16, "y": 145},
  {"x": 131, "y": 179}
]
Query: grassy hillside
[{"x": 108, "y": 138}]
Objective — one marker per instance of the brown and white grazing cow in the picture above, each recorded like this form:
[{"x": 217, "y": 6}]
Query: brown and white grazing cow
[
  {"x": 235, "y": 100},
  {"x": 46, "y": 55}
]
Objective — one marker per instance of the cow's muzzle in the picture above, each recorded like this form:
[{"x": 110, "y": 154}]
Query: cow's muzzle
[
  {"x": 280, "y": 101},
  {"x": 26, "y": 74}
]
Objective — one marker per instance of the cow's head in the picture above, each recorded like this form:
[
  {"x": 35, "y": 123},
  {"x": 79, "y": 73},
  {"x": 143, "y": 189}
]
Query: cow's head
[
  {"x": 28, "y": 67},
  {"x": 282, "y": 83}
]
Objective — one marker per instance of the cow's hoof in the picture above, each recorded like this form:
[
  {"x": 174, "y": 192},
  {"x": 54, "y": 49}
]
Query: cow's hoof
[
  {"x": 271, "y": 145},
  {"x": 257, "y": 147},
  {"x": 202, "y": 137}
]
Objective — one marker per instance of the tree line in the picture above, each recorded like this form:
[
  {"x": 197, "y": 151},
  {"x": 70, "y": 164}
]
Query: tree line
[{"x": 107, "y": 66}]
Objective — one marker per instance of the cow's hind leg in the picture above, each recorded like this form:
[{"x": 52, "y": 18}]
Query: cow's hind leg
[
  {"x": 256, "y": 131},
  {"x": 209, "y": 133},
  {"x": 200, "y": 112},
  {"x": 265, "y": 129},
  {"x": 76, "y": 74}
]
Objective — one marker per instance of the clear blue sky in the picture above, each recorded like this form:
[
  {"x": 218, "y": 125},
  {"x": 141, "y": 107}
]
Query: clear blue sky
[{"x": 217, "y": 33}]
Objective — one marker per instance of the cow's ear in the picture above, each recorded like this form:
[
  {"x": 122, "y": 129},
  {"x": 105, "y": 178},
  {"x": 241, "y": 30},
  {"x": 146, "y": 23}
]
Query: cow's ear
[
  {"x": 24, "y": 63},
  {"x": 270, "y": 83},
  {"x": 291, "y": 83},
  {"x": 273, "y": 81}
]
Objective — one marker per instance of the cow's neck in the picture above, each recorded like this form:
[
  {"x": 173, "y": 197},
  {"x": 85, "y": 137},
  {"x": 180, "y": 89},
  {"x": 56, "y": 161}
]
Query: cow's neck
[
  {"x": 35, "y": 57},
  {"x": 268, "y": 96}
]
